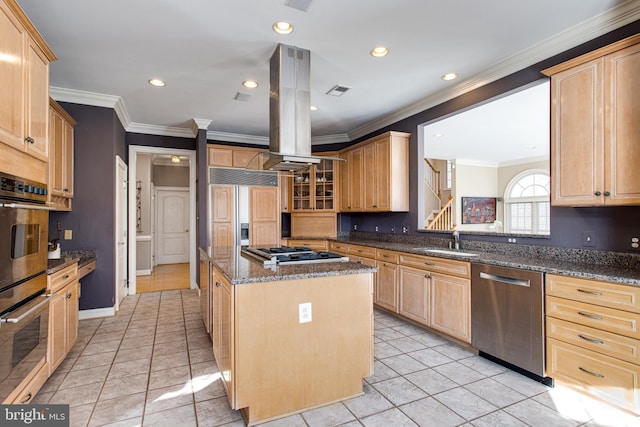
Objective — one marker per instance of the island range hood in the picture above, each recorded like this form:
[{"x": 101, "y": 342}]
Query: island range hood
[{"x": 289, "y": 110}]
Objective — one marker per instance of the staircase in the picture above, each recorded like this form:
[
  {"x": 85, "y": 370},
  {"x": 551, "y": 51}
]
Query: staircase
[{"x": 442, "y": 218}]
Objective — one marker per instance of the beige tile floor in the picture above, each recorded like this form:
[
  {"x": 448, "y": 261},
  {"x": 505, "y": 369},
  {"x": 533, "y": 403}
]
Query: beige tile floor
[{"x": 152, "y": 365}]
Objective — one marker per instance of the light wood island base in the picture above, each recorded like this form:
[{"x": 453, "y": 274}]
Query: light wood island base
[{"x": 277, "y": 366}]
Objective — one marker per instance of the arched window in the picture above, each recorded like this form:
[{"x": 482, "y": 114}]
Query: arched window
[{"x": 526, "y": 202}]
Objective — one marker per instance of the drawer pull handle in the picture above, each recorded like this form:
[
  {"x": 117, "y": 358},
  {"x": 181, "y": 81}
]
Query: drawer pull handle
[
  {"x": 427, "y": 276},
  {"x": 590, "y": 373},
  {"x": 590, "y": 316},
  {"x": 591, "y": 340},
  {"x": 430, "y": 264},
  {"x": 598, "y": 294},
  {"x": 65, "y": 277},
  {"x": 218, "y": 284},
  {"x": 27, "y": 398}
]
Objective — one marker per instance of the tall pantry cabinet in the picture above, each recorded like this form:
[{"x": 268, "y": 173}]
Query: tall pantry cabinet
[{"x": 595, "y": 102}]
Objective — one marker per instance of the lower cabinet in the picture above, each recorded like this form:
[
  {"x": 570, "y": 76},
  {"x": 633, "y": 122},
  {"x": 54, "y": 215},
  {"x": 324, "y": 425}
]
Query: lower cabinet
[
  {"x": 450, "y": 309},
  {"x": 385, "y": 292},
  {"x": 414, "y": 294},
  {"x": 63, "y": 314},
  {"x": 221, "y": 330},
  {"x": 205, "y": 292}
]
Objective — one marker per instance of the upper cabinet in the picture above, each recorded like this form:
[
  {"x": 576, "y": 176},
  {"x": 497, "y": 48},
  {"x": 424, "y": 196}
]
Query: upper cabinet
[
  {"x": 375, "y": 176},
  {"x": 60, "y": 157},
  {"x": 230, "y": 157},
  {"x": 314, "y": 189},
  {"x": 24, "y": 94},
  {"x": 595, "y": 100}
]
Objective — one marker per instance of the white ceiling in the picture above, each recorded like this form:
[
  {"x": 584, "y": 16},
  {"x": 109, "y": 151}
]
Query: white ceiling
[
  {"x": 508, "y": 130},
  {"x": 107, "y": 50}
]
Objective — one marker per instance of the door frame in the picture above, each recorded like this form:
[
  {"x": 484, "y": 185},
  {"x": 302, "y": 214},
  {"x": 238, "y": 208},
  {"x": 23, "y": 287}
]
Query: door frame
[
  {"x": 154, "y": 215},
  {"x": 120, "y": 165},
  {"x": 134, "y": 150}
]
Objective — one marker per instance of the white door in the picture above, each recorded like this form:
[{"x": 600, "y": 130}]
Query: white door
[
  {"x": 172, "y": 226},
  {"x": 121, "y": 231}
]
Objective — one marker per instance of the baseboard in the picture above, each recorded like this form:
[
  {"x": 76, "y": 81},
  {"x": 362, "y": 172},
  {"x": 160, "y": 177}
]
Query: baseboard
[
  {"x": 143, "y": 272},
  {"x": 96, "y": 312}
]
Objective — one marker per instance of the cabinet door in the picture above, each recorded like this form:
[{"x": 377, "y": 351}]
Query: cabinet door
[
  {"x": 577, "y": 162},
  {"x": 12, "y": 95},
  {"x": 356, "y": 176},
  {"x": 324, "y": 186},
  {"x": 68, "y": 160},
  {"x": 38, "y": 103},
  {"x": 222, "y": 157},
  {"x": 414, "y": 294},
  {"x": 383, "y": 174},
  {"x": 345, "y": 182},
  {"x": 265, "y": 216},
  {"x": 285, "y": 192},
  {"x": 57, "y": 153},
  {"x": 72, "y": 296},
  {"x": 57, "y": 330},
  {"x": 225, "y": 357},
  {"x": 622, "y": 177},
  {"x": 303, "y": 190},
  {"x": 450, "y": 310},
  {"x": 221, "y": 216},
  {"x": 369, "y": 174},
  {"x": 386, "y": 286},
  {"x": 241, "y": 158}
]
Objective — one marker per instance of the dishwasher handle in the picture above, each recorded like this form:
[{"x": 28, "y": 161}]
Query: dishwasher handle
[{"x": 505, "y": 279}]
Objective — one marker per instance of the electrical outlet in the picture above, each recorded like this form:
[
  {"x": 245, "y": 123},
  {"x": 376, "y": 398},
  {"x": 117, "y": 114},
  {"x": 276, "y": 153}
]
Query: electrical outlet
[
  {"x": 405, "y": 230},
  {"x": 511, "y": 240},
  {"x": 355, "y": 227},
  {"x": 304, "y": 312},
  {"x": 588, "y": 239},
  {"x": 635, "y": 242},
  {"x": 377, "y": 228},
  {"x": 393, "y": 229},
  {"x": 68, "y": 234}
]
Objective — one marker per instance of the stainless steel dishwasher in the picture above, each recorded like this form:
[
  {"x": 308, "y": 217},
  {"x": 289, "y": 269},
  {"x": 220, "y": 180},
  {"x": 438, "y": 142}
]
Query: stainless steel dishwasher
[{"x": 507, "y": 317}]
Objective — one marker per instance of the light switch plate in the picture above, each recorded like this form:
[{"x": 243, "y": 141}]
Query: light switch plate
[{"x": 68, "y": 234}]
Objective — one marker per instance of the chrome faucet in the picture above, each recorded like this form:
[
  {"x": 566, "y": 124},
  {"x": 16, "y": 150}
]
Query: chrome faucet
[{"x": 456, "y": 239}]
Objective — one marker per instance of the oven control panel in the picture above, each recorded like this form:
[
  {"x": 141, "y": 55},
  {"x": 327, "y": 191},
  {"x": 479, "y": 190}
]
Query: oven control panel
[{"x": 23, "y": 190}]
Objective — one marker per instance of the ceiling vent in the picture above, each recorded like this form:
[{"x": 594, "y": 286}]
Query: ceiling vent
[
  {"x": 302, "y": 5},
  {"x": 338, "y": 90},
  {"x": 244, "y": 97}
]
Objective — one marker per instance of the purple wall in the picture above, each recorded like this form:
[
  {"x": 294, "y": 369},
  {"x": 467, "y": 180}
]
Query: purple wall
[{"x": 99, "y": 136}]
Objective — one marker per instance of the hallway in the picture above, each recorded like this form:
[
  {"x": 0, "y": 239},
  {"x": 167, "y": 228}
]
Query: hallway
[{"x": 165, "y": 277}]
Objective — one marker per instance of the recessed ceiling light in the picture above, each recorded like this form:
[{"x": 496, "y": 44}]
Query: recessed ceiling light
[
  {"x": 314, "y": 108},
  {"x": 282, "y": 27},
  {"x": 379, "y": 51},
  {"x": 175, "y": 159},
  {"x": 450, "y": 76},
  {"x": 156, "y": 83},
  {"x": 251, "y": 84}
]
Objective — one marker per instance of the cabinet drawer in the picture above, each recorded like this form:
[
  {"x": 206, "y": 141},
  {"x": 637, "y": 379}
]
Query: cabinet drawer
[
  {"x": 60, "y": 279},
  {"x": 606, "y": 294},
  {"x": 387, "y": 256},
  {"x": 361, "y": 260},
  {"x": 338, "y": 247},
  {"x": 607, "y": 319},
  {"x": 458, "y": 268},
  {"x": 609, "y": 344},
  {"x": 603, "y": 376},
  {"x": 34, "y": 384},
  {"x": 316, "y": 245},
  {"x": 363, "y": 251},
  {"x": 86, "y": 269}
]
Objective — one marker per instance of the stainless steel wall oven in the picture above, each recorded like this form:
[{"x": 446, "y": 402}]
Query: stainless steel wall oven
[{"x": 24, "y": 306}]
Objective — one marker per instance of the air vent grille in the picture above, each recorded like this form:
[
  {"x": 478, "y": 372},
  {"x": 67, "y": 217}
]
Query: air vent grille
[
  {"x": 244, "y": 97},
  {"x": 338, "y": 90},
  {"x": 226, "y": 176},
  {"x": 302, "y": 5}
]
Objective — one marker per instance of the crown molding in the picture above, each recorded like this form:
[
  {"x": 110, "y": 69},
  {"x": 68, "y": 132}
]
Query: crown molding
[
  {"x": 595, "y": 27},
  {"x": 237, "y": 137},
  {"x": 160, "y": 130},
  {"x": 330, "y": 139},
  {"x": 94, "y": 99},
  {"x": 200, "y": 124}
]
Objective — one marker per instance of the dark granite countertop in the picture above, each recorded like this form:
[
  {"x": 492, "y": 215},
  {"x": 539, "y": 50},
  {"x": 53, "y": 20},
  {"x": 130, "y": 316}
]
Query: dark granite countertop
[
  {"x": 598, "y": 265},
  {"x": 82, "y": 257},
  {"x": 239, "y": 268}
]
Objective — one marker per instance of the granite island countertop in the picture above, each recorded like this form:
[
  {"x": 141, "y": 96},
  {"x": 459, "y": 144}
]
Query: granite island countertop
[
  {"x": 239, "y": 268},
  {"x": 587, "y": 264}
]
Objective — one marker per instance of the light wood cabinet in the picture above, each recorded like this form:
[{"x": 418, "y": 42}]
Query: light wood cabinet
[
  {"x": 314, "y": 189},
  {"x": 284, "y": 182},
  {"x": 593, "y": 338},
  {"x": 450, "y": 310},
  {"x": 63, "y": 314},
  {"x": 205, "y": 284},
  {"x": 385, "y": 292},
  {"x": 594, "y": 133},
  {"x": 414, "y": 294},
  {"x": 314, "y": 224},
  {"x": 230, "y": 157},
  {"x": 316, "y": 245},
  {"x": 60, "y": 157},
  {"x": 222, "y": 330},
  {"x": 25, "y": 394},
  {"x": 265, "y": 216},
  {"x": 24, "y": 98},
  {"x": 377, "y": 175}
]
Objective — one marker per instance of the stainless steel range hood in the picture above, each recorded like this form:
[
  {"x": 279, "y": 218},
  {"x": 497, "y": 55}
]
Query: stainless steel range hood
[{"x": 289, "y": 110}]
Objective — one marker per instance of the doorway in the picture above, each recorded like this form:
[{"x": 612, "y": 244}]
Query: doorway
[
  {"x": 121, "y": 231},
  {"x": 144, "y": 258}
]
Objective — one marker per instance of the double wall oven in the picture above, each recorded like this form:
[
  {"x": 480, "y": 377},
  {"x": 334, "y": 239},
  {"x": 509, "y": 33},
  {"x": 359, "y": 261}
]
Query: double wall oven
[{"x": 24, "y": 305}]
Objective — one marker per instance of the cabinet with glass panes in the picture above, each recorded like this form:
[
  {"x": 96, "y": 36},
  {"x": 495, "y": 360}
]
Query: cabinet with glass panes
[{"x": 314, "y": 188}]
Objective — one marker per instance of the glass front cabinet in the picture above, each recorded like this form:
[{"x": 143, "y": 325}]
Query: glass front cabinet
[{"x": 314, "y": 188}]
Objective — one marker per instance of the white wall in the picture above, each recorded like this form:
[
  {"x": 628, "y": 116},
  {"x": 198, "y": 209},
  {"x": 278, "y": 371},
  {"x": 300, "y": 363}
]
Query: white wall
[
  {"x": 143, "y": 236},
  {"x": 473, "y": 181}
]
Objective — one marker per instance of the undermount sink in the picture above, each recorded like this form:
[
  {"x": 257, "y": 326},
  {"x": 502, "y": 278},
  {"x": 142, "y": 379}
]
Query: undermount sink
[{"x": 447, "y": 252}]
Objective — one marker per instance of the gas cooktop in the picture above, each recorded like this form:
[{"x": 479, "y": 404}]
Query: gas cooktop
[{"x": 284, "y": 255}]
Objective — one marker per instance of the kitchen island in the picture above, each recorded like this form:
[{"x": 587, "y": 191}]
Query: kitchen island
[{"x": 288, "y": 338}]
